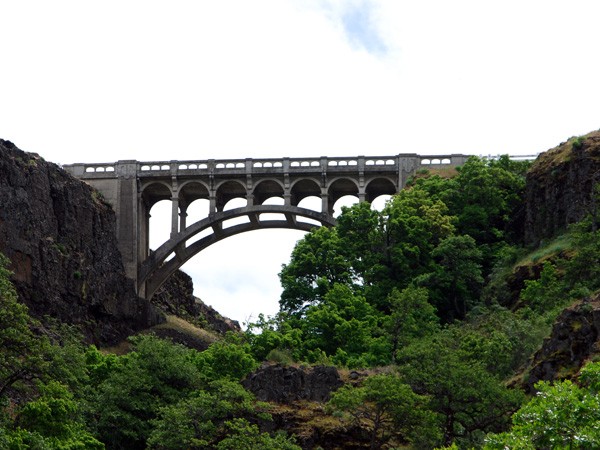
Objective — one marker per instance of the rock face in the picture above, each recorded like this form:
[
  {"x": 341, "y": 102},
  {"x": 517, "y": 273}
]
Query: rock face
[
  {"x": 574, "y": 339},
  {"x": 281, "y": 384},
  {"x": 59, "y": 236},
  {"x": 560, "y": 185},
  {"x": 176, "y": 297}
]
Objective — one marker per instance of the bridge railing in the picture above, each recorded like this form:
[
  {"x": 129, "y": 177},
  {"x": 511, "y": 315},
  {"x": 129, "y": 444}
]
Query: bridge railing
[
  {"x": 271, "y": 165},
  {"x": 264, "y": 165}
]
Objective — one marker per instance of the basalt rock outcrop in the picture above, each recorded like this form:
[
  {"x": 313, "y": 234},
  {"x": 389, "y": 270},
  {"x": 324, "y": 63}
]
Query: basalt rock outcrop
[
  {"x": 176, "y": 297},
  {"x": 298, "y": 396},
  {"x": 573, "y": 341},
  {"x": 281, "y": 384},
  {"x": 560, "y": 187},
  {"x": 60, "y": 238}
]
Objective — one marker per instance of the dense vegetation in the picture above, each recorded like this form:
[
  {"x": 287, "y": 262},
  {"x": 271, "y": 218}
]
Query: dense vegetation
[{"x": 415, "y": 294}]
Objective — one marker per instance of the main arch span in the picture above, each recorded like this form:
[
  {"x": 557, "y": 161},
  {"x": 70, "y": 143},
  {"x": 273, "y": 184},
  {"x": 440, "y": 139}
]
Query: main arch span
[{"x": 133, "y": 187}]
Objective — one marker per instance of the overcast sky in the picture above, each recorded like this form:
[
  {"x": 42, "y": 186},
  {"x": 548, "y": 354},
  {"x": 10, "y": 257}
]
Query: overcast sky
[{"x": 99, "y": 81}]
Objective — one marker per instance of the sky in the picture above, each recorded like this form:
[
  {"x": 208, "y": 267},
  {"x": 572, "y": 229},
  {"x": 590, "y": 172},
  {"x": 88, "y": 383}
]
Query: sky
[{"x": 101, "y": 81}]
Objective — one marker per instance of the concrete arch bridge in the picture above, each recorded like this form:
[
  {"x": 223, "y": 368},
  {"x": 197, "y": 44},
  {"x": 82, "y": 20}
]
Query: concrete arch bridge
[{"x": 133, "y": 187}]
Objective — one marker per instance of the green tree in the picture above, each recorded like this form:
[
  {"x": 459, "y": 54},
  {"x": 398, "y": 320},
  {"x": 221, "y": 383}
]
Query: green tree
[
  {"x": 274, "y": 333},
  {"x": 545, "y": 293},
  {"x": 388, "y": 407},
  {"x": 155, "y": 374},
  {"x": 54, "y": 416},
  {"x": 242, "y": 435},
  {"x": 344, "y": 324},
  {"x": 487, "y": 197},
  {"x": 325, "y": 321},
  {"x": 226, "y": 359},
  {"x": 488, "y": 191},
  {"x": 456, "y": 280},
  {"x": 318, "y": 261},
  {"x": 470, "y": 400},
  {"x": 411, "y": 317},
  {"x": 499, "y": 339},
  {"x": 561, "y": 415},
  {"x": 360, "y": 229},
  {"x": 207, "y": 419},
  {"x": 583, "y": 268},
  {"x": 415, "y": 225}
]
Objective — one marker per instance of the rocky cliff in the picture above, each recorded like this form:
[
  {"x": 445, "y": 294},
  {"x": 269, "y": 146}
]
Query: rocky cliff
[
  {"x": 560, "y": 186},
  {"x": 574, "y": 341},
  {"x": 59, "y": 236}
]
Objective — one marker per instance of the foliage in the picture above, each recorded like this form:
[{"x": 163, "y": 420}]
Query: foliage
[
  {"x": 486, "y": 196},
  {"x": 343, "y": 323},
  {"x": 584, "y": 265},
  {"x": 205, "y": 420},
  {"x": 470, "y": 400},
  {"x": 21, "y": 358},
  {"x": 241, "y": 435},
  {"x": 227, "y": 359},
  {"x": 388, "y": 407},
  {"x": 343, "y": 328},
  {"x": 274, "y": 333},
  {"x": 318, "y": 262},
  {"x": 360, "y": 230},
  {"x": 155, "y": 374},
  {"x": 411, "y": 317},
  {"x": 54, "y": 417},
  {"x": 545, "y": 292},
  {"x": 416, "y": 224},
  {"x": 561, "y": 415},
  {"x": 499, "y": 339},
  {"x": 456, "y": 280}
]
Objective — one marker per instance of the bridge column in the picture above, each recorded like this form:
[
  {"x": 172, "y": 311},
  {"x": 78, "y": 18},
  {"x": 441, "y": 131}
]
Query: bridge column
[
  {"x": 182, "y": 217},
  {"x": 129, "y": 217},
  {"x": 212, "y": 203},
  {"x": 174, "y": 215},
  {"x": 143, "y": 229},
  {"x": 326, "y": 204},
  {"x": 401, "y": 163}
]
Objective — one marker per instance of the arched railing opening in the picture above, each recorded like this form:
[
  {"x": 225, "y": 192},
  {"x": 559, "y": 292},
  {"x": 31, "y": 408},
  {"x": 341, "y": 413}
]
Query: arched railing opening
[
  {"x": 380, "y": 201},
  {"x": 159, "y": 223},
  {"x": 198, "y": 210},
  {"x": 313, "y": 203},
  {"x": 346, "y": 200}
]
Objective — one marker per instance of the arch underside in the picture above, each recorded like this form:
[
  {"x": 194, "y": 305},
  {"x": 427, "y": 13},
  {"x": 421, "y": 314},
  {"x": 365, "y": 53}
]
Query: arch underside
[{"x": 155, "y": 270}]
